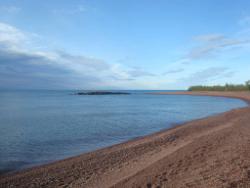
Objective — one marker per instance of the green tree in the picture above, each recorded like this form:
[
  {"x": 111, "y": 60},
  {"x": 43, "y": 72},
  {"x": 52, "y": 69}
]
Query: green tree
[
  {"x": 248, "y": 84},
  {"x": 226, "y": 87}
]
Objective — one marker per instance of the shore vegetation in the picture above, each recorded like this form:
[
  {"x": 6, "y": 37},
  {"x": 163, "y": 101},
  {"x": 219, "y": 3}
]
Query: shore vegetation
[{"x": 226, "y": 87}]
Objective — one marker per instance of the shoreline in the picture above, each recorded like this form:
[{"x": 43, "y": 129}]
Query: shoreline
[
  {"x": 163, "y": 158},
  {"x": 243, "y": 95}
]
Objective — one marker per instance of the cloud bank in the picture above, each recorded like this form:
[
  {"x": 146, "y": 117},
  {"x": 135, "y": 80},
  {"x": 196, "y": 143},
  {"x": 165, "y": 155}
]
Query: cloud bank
[{"x": 22, "y": 67}]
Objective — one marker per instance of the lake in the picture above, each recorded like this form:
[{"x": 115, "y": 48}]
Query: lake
[{"x": 39, "y": 127}]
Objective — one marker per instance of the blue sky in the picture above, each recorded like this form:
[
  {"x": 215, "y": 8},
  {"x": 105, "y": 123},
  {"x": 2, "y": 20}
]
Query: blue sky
[{"x": 142, "y": 44}]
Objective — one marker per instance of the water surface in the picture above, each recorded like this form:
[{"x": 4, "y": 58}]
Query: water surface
[{"x": 38, "y": 127}]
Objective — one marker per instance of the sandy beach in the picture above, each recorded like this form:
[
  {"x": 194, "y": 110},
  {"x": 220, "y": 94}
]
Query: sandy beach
[{"x": 209, "y": 152}]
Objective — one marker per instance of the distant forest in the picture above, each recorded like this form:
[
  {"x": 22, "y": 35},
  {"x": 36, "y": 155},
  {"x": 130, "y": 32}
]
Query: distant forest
[{"x": 226, "y": 87}]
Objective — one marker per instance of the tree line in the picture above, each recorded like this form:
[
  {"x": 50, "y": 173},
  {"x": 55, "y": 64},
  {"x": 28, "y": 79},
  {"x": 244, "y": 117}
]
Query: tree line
[{"x": 226, "y": 87}]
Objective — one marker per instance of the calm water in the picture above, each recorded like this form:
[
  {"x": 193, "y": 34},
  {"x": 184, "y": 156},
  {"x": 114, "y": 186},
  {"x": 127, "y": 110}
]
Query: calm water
[{"x": 38, "y": 127}]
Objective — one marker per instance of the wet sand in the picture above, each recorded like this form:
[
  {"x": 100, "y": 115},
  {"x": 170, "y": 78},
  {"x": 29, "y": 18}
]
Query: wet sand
[{"x": 209, "y": 152}]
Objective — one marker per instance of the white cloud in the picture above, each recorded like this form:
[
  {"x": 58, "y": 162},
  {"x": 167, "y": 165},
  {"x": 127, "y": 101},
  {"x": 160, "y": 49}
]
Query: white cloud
[
  {"x": 211, "y": 44},
  {"x": 209, "y": 37},
  {"x": 206, "y": 75},
  {"x": 138, "y": 72},
  {"x": 173, "y": 71},
  {"x": 71, "y": 10},
  {"x": 11, "y": 36},
  {"x": 56, "y": 67},
  {"x": 10, "y": 9}
]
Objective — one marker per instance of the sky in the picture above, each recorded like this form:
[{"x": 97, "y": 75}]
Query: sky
[{"x": 123, "y": 44}]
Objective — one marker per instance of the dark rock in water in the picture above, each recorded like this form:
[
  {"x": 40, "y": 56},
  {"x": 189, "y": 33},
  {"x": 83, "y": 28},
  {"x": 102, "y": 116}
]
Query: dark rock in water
[{"x": 102, "y": 93}]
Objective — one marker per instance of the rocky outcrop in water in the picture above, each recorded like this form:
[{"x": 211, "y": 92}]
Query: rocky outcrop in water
[{"x": 102, "y": 93}]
